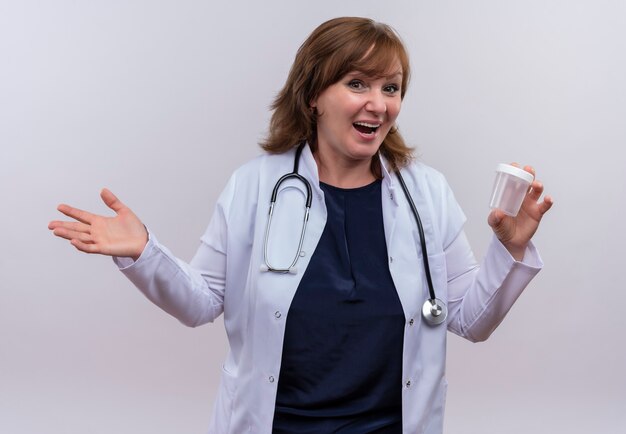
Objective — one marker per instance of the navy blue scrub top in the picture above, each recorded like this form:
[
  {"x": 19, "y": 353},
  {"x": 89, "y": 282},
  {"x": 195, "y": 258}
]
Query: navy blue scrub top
[{"x": 341, "y": 368}]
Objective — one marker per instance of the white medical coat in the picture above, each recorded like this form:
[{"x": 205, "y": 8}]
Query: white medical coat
[{"x": 225, "y": 276}]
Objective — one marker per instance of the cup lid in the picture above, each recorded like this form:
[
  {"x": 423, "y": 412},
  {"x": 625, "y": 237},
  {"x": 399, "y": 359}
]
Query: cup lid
[{"x": 515, "y": 171}]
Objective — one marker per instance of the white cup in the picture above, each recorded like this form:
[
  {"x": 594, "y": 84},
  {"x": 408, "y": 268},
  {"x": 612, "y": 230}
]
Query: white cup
[{"x": 510, "y": 188}]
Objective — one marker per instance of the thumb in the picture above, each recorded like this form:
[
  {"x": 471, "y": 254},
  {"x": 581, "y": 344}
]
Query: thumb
[
  {"x": 501, "y": 224},
  {"x": 111, "y": 200},
  {"x": 495, "y": 219}
]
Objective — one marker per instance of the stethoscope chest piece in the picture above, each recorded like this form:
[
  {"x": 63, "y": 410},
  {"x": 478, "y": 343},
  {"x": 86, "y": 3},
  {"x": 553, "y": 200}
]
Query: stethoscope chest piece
[{"x": 434, "y": 311}]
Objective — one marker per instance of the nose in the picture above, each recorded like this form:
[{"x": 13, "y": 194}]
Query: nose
[{"x": 376, "y": 102}]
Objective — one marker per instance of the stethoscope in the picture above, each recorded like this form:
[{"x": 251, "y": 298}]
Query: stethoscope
[{"x": 434, "y": 311}]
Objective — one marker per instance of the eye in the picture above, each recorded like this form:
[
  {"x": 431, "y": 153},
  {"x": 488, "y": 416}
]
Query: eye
[
  {"x": 391, "y": 88},
  {"x": 356, "y": 84}
]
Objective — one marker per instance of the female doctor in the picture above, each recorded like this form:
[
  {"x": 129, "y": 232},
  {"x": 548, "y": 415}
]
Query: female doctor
[{"x": 331, "y": 321}]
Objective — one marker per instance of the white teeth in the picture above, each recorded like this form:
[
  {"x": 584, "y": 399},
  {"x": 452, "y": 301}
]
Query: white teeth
[{"x": 365, "y": 124}]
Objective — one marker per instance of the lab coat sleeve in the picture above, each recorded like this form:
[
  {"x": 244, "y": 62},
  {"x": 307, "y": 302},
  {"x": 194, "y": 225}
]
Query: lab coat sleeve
[
  {"x": 479, "y": 297},
  {"x": 194, "y": 292}
]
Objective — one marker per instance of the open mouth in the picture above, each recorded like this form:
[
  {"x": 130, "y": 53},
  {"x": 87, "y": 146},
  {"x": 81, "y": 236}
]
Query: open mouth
[{"x": 365, "y": 128}]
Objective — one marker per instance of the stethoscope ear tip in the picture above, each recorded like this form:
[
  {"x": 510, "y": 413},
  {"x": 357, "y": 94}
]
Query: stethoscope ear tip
[
  {"x": 293, "y": 270},
  {"x": 264, "y": 268}
]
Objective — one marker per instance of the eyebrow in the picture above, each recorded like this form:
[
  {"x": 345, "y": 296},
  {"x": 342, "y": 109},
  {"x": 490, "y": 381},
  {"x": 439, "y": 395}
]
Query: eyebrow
[{"x": 393, "y": 75}]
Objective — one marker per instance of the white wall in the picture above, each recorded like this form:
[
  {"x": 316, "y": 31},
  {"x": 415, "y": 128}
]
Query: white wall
[{"x": 160, "y": 100}]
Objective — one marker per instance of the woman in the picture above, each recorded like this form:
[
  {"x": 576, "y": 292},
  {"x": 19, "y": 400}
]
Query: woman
[{"x": 324, "y": 325}]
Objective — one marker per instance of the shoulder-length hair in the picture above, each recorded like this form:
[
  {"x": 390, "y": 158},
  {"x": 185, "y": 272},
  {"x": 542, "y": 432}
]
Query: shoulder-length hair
[{"x": 334, "y": 49}]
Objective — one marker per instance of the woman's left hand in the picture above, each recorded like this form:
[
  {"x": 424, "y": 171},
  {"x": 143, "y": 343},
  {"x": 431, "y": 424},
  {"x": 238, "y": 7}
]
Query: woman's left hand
[{"x": 515, "y": 232}]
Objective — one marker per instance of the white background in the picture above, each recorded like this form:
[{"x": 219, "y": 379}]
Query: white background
[{"x": 160, "y": 100}]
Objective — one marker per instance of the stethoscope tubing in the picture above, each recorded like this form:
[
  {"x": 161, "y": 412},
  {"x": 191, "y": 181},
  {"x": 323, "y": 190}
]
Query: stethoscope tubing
[
  {"x": 309, "y": 200},
  {"x": 420, "y": 229},
  {"x": 434, "y": 310}
]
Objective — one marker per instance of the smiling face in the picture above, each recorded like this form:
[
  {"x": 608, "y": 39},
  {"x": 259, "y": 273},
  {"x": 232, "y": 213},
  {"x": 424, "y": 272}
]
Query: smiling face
[
  {"x": 355, "y": 114},
  {"x": 348, "y": 70}
]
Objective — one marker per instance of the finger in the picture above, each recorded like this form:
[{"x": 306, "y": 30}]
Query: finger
[
  {"x": 530, "y": 170},
  {"x": 72, "y": 235},
  {"x": 75, "y": 213},
  {"x": 111, "y": 200},
  {"x": 73, "y": 226},
  {"x": 535, "y": 192},
  {"x": 85, "y": 247},
  {"x": 546, "y": 204}
]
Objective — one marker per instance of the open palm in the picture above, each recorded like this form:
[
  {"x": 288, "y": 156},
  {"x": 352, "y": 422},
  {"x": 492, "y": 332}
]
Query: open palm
[{"x": 121, "y": 235}]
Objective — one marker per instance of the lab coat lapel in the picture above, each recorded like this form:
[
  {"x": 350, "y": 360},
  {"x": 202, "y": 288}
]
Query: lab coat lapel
[
  {"x": 318, "y": 214},
  {"x": 389, "y": 201},
  {"x": 402, "y": 245}
]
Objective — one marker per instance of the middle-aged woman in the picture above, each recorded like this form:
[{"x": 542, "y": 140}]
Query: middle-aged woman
[{"x": 326, "y": 330}]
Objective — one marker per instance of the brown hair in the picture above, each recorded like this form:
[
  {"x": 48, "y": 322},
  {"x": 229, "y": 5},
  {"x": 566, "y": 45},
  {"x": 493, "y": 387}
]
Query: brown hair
[{"x": 334, "y": 49}]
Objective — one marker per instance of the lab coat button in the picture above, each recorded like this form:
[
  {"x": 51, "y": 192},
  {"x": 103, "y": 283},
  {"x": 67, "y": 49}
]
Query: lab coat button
[
  {"x": 408, "y": 384},
  {"x": 271, "y": 379},
  {"x": 411, "y": 321},
  {"x": 391, "y": 259},
  {"x": 277, "y": 314}
]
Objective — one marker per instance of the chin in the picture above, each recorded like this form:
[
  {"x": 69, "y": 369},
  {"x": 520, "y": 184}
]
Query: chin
[{"x": 364, "y": 152}]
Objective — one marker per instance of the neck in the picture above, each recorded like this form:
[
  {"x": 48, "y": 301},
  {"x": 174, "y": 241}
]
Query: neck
[{"x": 343, "y": 174}]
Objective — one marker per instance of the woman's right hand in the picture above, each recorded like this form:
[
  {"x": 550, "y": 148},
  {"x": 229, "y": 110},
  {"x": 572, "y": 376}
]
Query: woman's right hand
[{"x": 122, "y": 235}]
